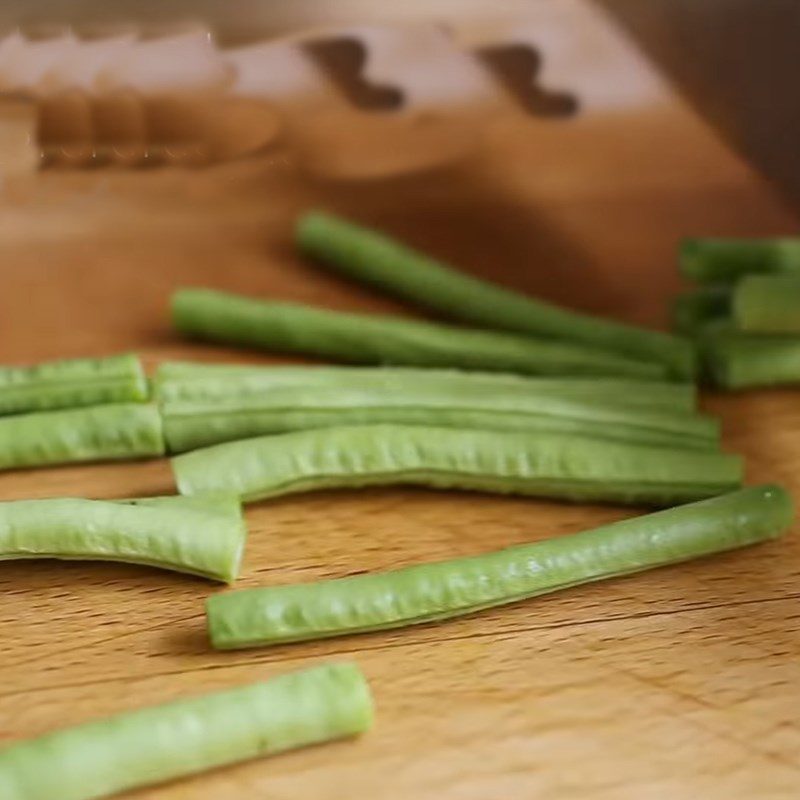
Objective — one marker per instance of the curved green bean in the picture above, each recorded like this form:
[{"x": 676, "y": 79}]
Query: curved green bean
[
  {"x": 725, "y": 260},
  {"x": 767, "y": 304},
  {"x": 692, "y": 310},
  {"x": 204, "y": 536},
  {"x": 572, "y": 467},
  {"x": 95, "y": 433},
  {"x": 444, "y": 589},
  {"x": 157, "y": 744},
  {"x": 71, "y": 383},
  {"x": 369, "y": 257},
  {"x": 193, "y": 423},
  {"x": 375, "y": 339},
  {"x": 189, "y": 380}
]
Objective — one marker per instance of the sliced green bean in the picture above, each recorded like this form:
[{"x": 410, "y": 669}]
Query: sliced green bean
[
  {"x": 205, "y": 537},
  {"x": 193, "y": 423},
  {"x": 160, "y": 743},
  {"x": 95, "y": 433},
  {"x": 767, "y": 304},
  {"x": 369, "y": 257},
  {"x": 71, "y": 383},
  {"x": 723, "y": 260},
  {"x": 188, "y": 380},
  {"x": 692, "y": 310},
  {"x": 738, "y": 360},
  {"x": 376, "y": 339},
  {"x": 572, "y": 467},
  {"x": 439, "y": 590}
]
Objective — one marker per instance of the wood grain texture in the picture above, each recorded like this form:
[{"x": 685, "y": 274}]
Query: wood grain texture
[{"x": 680, "y": 683}]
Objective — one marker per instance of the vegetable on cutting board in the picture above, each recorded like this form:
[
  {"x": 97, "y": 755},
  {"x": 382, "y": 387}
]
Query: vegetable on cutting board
[
  {"x": 369, "y": 257},
  {"x": 767, "y": 304},
  {"x": 725, "y": 260},
  {"x": 436, "y": 591},
  {"x": 542, "y": 465},
  {"x": 692, "y": 310},
  {"x": 381, "y": 339},
  {"x": 157, "y": 744},
  {"x": 202, "y": 535}
]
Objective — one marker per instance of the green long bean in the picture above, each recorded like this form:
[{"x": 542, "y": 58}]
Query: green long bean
[
  {"x": 71, "y": 383},
  {"x": 767, "y": 304},
  {"x": 572, "y": 467},
  {"x": 439, "y": 590},
  {"x": 160, "y": 743},
  {"x": 231, "y": 414},
  {"x": 205, "y": 537},
  {"x": 692, "y": 310},
  {"x": 95, "y": 433},
  {"x": 369, "y": 257},
  {"x": 376, "y": 339},
  {"x": 725, "y": 260}
]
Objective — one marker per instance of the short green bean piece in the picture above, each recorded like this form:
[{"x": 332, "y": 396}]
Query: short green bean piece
[
  {"x": 372, "y": 258},
  {"x": 725, "y": 260},
  {"x": 381, "y": 339},
  {"x": 436, "y": 591},
  {"x": 551, "y": 465},
  {"x": 193, "y": 423},
  {"x": 767, "y": 304},
  {"x": 189, "y": 380},
  {"x": 71, "y": 383},
  {"x": 738, "y": 360},
  {"x": 205, "y": 537},
  {"x": 161, "y": 743},
  {"x": 95, "y": 433},
  {"x": 692, "y": 310}
]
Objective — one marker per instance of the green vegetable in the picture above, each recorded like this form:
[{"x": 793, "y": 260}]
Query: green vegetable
[
  {"x": 179, "y": 380},
  {"x": 767, "y": 304},
  {"x": 116, "y": 431},
  {"x": 691, "y": 311},
  {"x": 369, "y": 257},
  {"x": 444, "y": 589},
  {"x": 572, "y": 467},
  {"x": 225, "y": 410},
  {"x": 726, "y": 260},
  {"x": 374, "y": 339},
  {"x": 70, "y": 383},
  {"x": 157, "y": 744},
  {"x": 738, "y": 360},
  {"x": 205, "y": 537}
]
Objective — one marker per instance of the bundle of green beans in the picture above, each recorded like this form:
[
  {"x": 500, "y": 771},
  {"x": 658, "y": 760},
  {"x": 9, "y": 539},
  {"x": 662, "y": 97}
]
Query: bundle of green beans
[{"x": 745, "y": 314}]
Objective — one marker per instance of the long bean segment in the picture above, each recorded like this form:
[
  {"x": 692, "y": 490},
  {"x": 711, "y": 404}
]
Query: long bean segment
[
  {"x": 157, "y": 744},
  {"x": 367, "y": 256},
  {"x": 380, "y": 339},
  {"x": 443, "y": 589},
  {"x": 725, "y": 260},
  {"x": 193, "y": 423},
  {"x": 71, "y": 383},
  {"x": 694, "y": 309},
  {"x": 572, "y": 467},
  {"x": 205, "y": 537},
  {"x": 96, "y": 433},
  {"x": 767, "y": 304}
]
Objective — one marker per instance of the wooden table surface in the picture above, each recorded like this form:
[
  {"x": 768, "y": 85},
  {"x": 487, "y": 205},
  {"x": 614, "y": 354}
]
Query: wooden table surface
[{"x": 680, "y": 683}]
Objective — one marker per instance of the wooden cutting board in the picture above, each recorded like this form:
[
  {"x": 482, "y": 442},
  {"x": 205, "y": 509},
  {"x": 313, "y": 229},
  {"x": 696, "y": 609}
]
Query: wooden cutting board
[{"x": 680, "y": 683}]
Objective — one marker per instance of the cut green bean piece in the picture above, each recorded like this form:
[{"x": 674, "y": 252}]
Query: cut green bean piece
[
  {"x": 369, "y": 257},
  {"x": 71, "y": 383},
  {"x": 193, "y": 423},
  {"x": 439, "y": 590},
  {"x": 721, "y": 260},
  {"x": 96, "y": 433},
  {"x": 161, "y": 743},
  {"x": 692, "y": 310},
  {"x": 738, "y": 360},
  {"x": 767, "y": 304},
  {"x": 375, "y": 339},
  {"x": 181, "y": 380},
  {"x": 205, "y": 537},
  {"x": 572, "y": 467}
]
